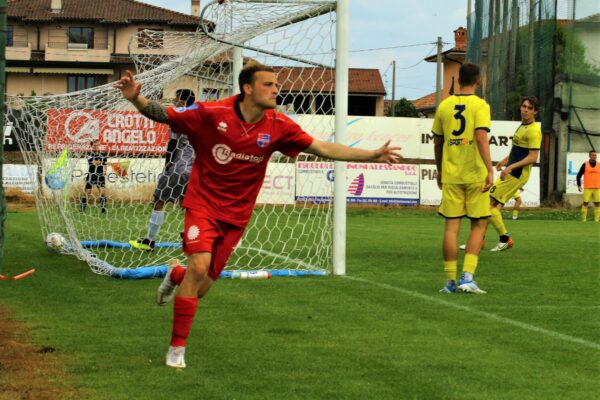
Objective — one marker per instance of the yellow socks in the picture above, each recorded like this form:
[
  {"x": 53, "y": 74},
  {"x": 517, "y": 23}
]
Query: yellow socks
[
  {"x": 596, "y": 214},
  {"x": 496, "y": 220},
  {"x": 584, "y": 212},
  {"x": 470, "y": 264},
  {"x": 450, "y": 270}
]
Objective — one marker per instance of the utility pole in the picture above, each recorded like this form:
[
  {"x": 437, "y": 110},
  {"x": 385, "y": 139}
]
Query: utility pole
[
  {"x": 394, "y": 88},
  {"x": 438, "y": 75}
]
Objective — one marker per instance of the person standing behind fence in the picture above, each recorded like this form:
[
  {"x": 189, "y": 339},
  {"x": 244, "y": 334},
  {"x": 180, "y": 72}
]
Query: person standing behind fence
[
  {"x": 590, "y": 171},
  {"x": 465, "y": 174}
]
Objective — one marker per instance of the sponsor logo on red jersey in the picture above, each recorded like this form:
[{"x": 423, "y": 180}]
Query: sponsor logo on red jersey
[{"x": 223, "y": 155}]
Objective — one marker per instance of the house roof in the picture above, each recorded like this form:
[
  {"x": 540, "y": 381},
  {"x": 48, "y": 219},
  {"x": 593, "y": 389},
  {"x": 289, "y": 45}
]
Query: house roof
[
  {"x": 426, "y": 102},
  {"x": 454, "y": 54},
  {"x": 102, "y": 11},
  {"x": 361, "y": 81}
]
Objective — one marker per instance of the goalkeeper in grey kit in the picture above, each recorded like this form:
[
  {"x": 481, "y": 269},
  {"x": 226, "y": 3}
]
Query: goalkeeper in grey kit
[{"x": 173, "y": 181}]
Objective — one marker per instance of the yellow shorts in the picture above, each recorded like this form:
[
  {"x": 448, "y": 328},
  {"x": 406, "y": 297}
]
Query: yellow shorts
[
  {"x": 459, "y": 200},
  {"x": 503, "y": 190},
  {"x": 591, "y": 195},
  {"x": 516, "y": 195}
]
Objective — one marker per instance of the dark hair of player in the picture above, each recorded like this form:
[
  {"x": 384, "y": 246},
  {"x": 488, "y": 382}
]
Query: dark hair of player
[
  {"x": 247, "y": 74},
  {"x": 186, "y": 95},
  {"x": 532, "y": 100},
  {"x": 468, "y": 74}
]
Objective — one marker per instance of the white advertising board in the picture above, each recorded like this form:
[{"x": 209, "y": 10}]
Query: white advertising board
[
  {"x": 432, "y": 195},
  {"x": 366, "y": 183},
  {"x": 574, "y": 162},
  {"x": 368, "y": 132},
  {"x": 412, "y": 134},
  {"x": 500, "y": 138},
  {"x": 19, "y": 176},
  {"x": 279, "y": 185}
]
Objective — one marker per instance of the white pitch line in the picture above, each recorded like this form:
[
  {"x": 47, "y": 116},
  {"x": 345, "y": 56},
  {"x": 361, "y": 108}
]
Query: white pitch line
[
  {"x": 275, "y": 255},
  {"x": 508, "y": 321}
]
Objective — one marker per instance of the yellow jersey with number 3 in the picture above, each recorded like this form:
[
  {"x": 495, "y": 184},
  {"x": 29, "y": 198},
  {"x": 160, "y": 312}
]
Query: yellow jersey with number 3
[{"x": 456, "y": 119}]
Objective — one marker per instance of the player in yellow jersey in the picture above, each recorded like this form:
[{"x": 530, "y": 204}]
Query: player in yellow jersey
[
  {"x": 525, "y": 150},
  {"x": 462, "y": 156}
]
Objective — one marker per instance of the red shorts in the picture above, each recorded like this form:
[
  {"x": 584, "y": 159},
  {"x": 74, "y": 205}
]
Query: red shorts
[{"x": 202, "y": 233}]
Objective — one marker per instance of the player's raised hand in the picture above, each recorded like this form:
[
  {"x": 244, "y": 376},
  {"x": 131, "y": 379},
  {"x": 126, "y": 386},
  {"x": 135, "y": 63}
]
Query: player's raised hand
[
  {"x": 128, "y": 86},
  {"x": 387, "y": 154}
]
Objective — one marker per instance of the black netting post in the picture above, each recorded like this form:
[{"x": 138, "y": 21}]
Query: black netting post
[{"x": 2, "y": 92}]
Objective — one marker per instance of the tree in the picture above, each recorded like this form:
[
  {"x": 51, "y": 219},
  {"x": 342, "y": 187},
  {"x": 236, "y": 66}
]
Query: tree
[{"x": 404, "y": 108}]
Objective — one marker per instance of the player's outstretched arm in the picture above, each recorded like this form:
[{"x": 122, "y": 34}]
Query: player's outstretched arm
[
  {"x": 340, "y": 152},
  {"x": 131, "y": 90}
]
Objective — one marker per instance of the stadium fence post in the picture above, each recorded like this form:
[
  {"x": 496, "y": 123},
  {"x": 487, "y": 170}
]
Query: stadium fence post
[{"x": 2, "y": 120}]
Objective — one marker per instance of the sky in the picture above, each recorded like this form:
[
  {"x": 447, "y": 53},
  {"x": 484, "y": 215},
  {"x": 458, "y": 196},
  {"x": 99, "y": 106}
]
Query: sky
[{"x": 392, "y": 23}]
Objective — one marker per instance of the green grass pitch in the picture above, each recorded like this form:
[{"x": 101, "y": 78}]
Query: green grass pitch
[{"x": 382, "y": 332}]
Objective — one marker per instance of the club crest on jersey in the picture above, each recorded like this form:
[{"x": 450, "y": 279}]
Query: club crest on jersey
[
  {"x": 222, "y": 126},
  {"x": 263, "y": 140}
]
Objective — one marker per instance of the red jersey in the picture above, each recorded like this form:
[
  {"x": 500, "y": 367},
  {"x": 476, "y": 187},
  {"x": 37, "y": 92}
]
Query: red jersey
[{"x": 232, "y": 155}]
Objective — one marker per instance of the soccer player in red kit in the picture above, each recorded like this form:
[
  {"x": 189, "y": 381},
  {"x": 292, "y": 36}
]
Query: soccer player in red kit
[{"x": 233, "y": 140}]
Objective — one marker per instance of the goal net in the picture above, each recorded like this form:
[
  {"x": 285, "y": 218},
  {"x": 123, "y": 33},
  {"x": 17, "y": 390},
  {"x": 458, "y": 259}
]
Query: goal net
[{"x": 102, "y": 197}]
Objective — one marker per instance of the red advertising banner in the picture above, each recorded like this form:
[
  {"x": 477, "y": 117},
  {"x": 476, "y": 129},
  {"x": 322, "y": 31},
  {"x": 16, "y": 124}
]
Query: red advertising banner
[{"x": 119, "y": 132}]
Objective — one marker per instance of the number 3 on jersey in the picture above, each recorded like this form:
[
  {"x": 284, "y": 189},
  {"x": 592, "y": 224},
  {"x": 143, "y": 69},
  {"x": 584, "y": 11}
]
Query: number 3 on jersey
[{"x": 460, "y": 108}]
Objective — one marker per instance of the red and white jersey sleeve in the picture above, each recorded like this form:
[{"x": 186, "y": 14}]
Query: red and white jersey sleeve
[{"x": 232, "y": 155}]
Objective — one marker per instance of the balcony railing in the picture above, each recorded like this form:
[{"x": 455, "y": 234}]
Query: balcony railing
[
  {"x": 20, "y": 50},
  {"x": 77, "y": 52}
]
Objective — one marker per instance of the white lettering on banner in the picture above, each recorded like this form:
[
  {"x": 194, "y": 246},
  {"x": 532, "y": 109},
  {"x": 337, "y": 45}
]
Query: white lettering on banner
[
  {"x": 129, "y": 121},
  {"x": 117, "y": 131},
  {"x": 129, "y": 136},
  {"x": 7, "y": 140}
]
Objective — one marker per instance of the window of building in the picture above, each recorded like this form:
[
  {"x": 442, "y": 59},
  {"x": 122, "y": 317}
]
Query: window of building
[
  {"x": 9, "y": 35},
  {"x": 81, "y": 82},
  {"x": 150, "y": 40},
  {"x": 81, "y": 37}
]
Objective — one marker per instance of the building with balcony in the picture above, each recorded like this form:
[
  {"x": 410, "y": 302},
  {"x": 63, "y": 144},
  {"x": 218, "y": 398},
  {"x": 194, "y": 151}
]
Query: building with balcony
[{"x": 63, "y": 46}]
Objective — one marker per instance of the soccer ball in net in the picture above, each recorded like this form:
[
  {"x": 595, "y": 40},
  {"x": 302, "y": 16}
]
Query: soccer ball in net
[{"x": 55, "y": 242}]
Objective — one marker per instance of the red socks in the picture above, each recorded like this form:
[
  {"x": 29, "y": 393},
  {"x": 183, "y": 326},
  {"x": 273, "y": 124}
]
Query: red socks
[
  {"x": 177, "y": 274},
  {"x": 183, "y": 316}
]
